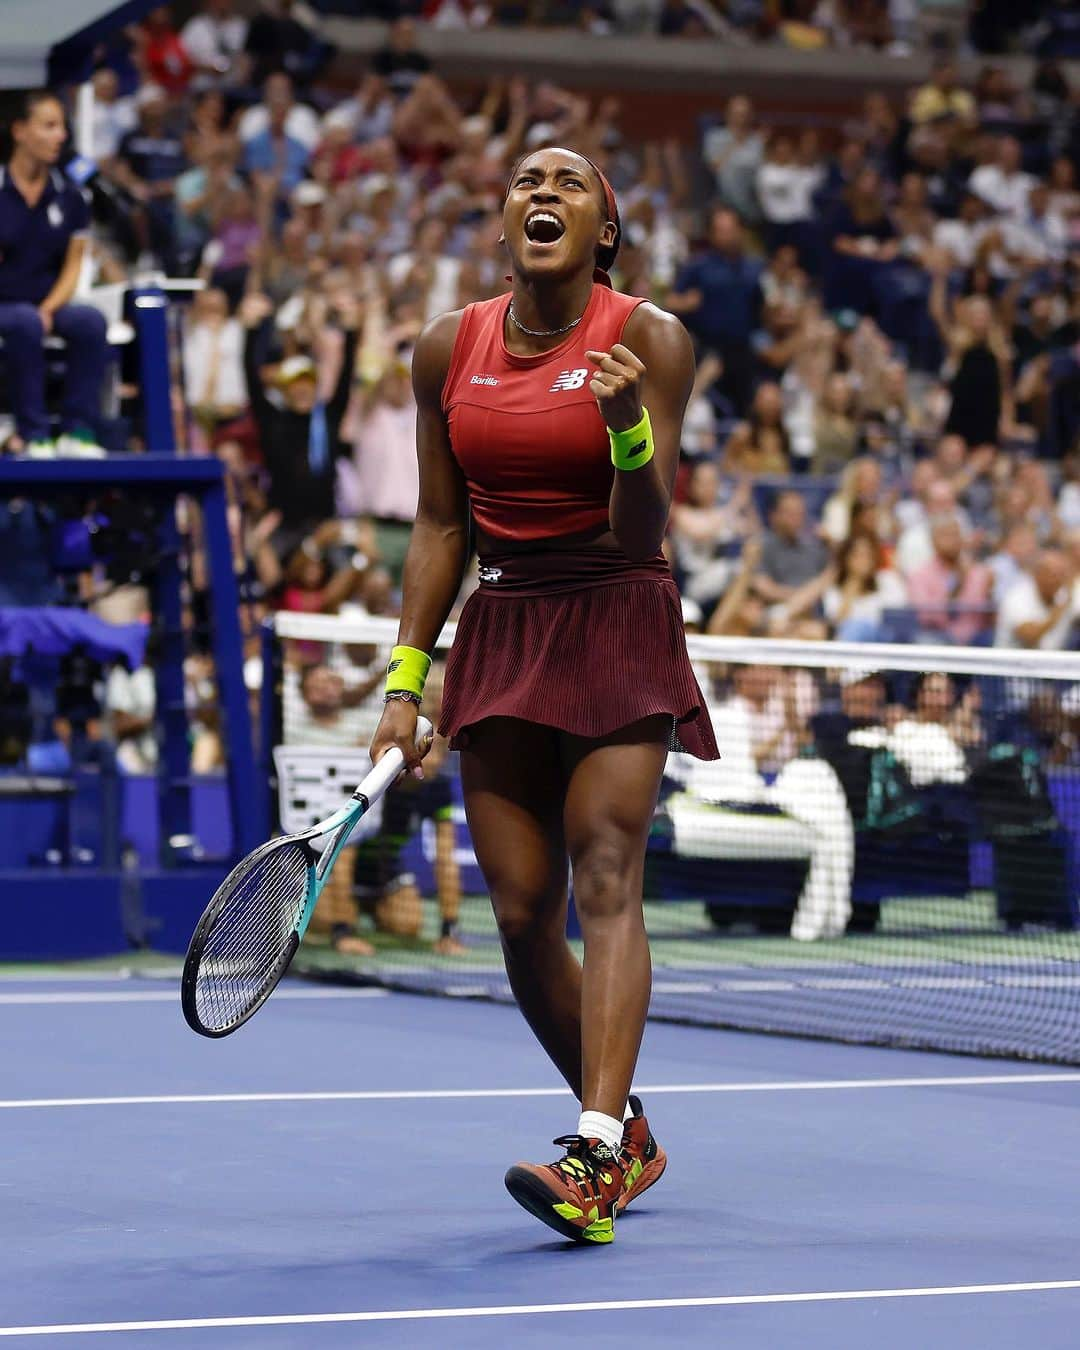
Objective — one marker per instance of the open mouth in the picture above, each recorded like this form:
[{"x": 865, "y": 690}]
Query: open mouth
[{"x": 543, "y": 227}]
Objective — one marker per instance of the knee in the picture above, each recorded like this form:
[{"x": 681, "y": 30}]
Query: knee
[
  {"x": 82, "y": 324},
  {"x": 523, "y": 917},
  {"x": 21, "y": 323},
  {"x": 603, "y": 875}
]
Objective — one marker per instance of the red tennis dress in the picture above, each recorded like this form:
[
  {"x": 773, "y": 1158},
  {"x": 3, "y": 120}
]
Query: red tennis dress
[{"x": 580, "y": 639}]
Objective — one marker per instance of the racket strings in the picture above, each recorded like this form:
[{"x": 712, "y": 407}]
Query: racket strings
[{"x": 251, "y": 936}]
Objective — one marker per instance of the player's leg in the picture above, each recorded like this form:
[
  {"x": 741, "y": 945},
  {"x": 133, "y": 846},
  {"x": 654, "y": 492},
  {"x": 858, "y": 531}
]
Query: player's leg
[
  {"x": 611, "y": 794},
  {"x": 610, "y": 800},
  {"x": 513, "y": 781}
]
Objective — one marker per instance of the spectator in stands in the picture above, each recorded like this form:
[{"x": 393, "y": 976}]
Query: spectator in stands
[
  {"x": 856, "y": 603},
  {"x": 113, "y": 118},
  {"x": 703, "y": 528},
  {"x": 369, "y": 114},
  {"x": 198, "y": 194},
  {"x": 43, "y": 225},
  {"x": 1040, "y": 608},
  {"x": 765, "y": 725},
  {"x": 161, "y": 54},
  {"x": 720, "y": 295},
  {"x": 149, "y": 161},
  {"x": 791, "y": 556},
  {"x": 1003, "y": 183},
  {"x": 380, "y": 479},
  {"x": 977, "y": 368},
  {"x": 283, "y": 37},
  {"x": 400, "y": 62},
  {"x": 860, "y": 227},
  {"x": 785, "y": 189},
  {"x": 929, "y": 741},
  {"x": 734, "y": 153},
  {"x": 215, "y": 39},
  {"x": 280, "y": 108},
  {"x": 942, "y": 99},
  {"x": 274, "y": 156},
  {"x": 952, "y": 591},
  {"x": 760, "y": 445},
  {"x": 859, "y": 496},
  {"x": 299, "y": 437},
  {"x": 213, "y": 362},
  {"x": 836, "y": 432},
  {"x": 1014, "y": 559}
]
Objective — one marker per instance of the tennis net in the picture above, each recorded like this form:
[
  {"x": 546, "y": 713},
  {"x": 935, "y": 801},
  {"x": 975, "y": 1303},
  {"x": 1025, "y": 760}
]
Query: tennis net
[{"x": 888, "y": 851}]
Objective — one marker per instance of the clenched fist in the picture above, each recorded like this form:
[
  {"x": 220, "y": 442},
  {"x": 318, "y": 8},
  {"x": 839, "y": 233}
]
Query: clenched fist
[{"x": 616, "y": 386}]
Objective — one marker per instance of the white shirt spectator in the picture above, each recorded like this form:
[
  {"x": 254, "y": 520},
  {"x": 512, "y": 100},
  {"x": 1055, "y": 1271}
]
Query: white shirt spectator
[
  {"x": 915, "y": 547},
  {"x": 1045, "y": 239},
  {"x": 444, "y": 289},
  {"x": 1023, "y": 604},
  {"x": 110, "y": 124},
  {"x": 1068, "y": 506},
  {"x": 213, "y": 44},
  {"x": 134, "y": 692},
  {"x": 302, "y": 124},
  {"x": 961, "y": 239},
  {"x": 214, "y": 365},
  {"x": 786, "y": 191},
  {"x": 891, "y": 593},
  {"x": 1007, "y": 192}
]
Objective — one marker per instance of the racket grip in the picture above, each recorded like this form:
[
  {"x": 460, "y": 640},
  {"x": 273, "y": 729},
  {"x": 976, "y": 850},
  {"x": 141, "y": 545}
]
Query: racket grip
[{"x": 389, "y": 766}]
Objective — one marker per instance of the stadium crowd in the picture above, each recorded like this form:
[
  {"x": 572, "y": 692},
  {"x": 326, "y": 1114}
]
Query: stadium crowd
[{"x": 883, "y": 437}]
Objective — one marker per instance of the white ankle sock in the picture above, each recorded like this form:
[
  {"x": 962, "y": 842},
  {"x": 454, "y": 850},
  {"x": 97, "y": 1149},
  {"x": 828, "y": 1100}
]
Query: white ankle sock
[
  {"x": 595, "y": 1125},
  {"x": 628, "y": 1114}
]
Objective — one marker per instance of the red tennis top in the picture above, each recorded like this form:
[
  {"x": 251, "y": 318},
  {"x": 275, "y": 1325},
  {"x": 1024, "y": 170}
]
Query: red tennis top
[{"x": 525, "y": 429}]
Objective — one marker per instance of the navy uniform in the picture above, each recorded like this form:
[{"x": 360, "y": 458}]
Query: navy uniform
[{"x": 34, "y": 243}]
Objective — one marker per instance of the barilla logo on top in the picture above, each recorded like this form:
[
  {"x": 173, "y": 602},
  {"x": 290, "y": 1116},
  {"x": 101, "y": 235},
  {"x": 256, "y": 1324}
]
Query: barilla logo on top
[
  {"x": 483, "y": 379},
  {"x": 568, "y": 379}
]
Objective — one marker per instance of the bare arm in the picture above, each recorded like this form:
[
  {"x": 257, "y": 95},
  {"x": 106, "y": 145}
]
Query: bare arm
[
  {"x": 654, "y": 368},
  {"x": 64, "y": 285},
  {"x": 438, "y": 549}
]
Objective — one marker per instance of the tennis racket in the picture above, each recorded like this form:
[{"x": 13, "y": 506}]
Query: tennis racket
[{"x": 250, "y": 930}]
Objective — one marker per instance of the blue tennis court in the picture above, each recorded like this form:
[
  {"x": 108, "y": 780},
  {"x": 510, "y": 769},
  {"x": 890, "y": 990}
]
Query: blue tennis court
[{"x": 332, "y": 1176}]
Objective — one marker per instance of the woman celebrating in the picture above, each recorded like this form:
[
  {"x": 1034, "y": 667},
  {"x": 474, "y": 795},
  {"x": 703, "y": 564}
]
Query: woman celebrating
[{"x": 554, "y": 414}]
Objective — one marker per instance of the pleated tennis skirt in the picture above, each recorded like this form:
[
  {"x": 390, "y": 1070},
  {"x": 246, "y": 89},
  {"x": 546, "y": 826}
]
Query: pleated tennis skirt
[{"x": 584, "y": 641}]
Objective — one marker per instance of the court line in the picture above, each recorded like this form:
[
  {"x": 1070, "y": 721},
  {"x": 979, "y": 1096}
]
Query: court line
[
  {"x": 449, "y": 1094},
  {"x": 532, "y": 1309},
  {"x": 171, "y": 995}
]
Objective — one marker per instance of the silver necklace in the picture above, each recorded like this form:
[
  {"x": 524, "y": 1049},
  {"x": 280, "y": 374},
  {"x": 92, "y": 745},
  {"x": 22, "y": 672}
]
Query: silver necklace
[{"x": 538, "y": 332}]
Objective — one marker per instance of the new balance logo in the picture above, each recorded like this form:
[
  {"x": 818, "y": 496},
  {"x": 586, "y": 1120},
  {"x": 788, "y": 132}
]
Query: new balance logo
[
  {"x": 568, "y": 379},
  {"x": 484, "y": 379}
]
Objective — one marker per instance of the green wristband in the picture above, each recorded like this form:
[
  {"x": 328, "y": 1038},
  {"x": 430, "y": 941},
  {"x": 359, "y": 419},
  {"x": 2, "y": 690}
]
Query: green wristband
[
  {"x": 407, "y": 671},
  {"x": 633, "y": 448}
]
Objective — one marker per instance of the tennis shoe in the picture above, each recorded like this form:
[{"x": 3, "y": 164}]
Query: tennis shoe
[
  {"x": 578, "y": 1194},
  {"x": 643, "y": 1160}
]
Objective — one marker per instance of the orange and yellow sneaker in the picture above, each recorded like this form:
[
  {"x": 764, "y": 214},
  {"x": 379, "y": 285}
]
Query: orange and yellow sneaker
[
  {"x": 578, "y": 1195},
  {"x": 643, "y": 1160}
]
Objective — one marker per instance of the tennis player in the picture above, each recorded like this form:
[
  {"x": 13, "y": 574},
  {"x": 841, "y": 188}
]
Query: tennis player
[{"x": 551, "y": 417}]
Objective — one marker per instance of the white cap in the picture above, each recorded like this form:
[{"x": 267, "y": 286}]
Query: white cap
[
  {"x": 856, "y": 675},
  {"x": 308, "y": 193},
  {"x": 150, "y": 93}
]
